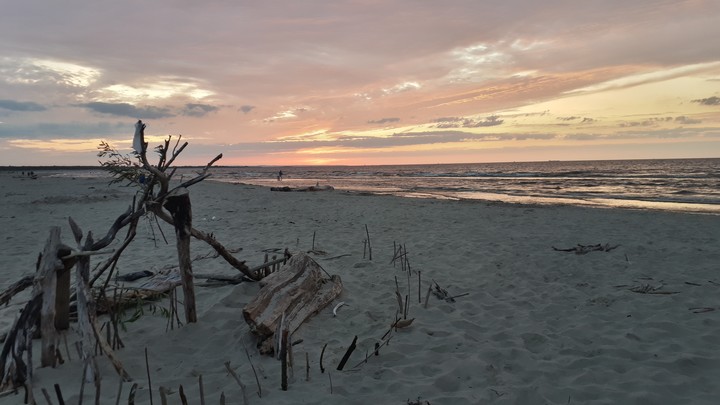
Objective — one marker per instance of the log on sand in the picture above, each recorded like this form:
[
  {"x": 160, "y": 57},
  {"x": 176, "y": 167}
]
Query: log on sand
[{"x": 297, "y": 291}]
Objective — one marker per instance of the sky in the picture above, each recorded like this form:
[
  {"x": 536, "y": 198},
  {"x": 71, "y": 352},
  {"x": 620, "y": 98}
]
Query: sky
[{"x": 287, "y": 82}]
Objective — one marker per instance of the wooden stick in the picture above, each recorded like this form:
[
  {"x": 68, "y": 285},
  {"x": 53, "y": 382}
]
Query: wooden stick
[
  {"x": 347, "y": 354},
  {"x": 202, "y": 389},
  {"x": 147, "y": 368},
  {"x": 58, "y": 394},
  {"x": 367, "y": 232},
  {"x": 163, "y": 395},
  {"x": 131, "y": 396},
  {"x": 322, "y": 369},
  {"x": 284, "y": 360},
  {"x": 237, "y": 379},
  {"x": 47, "y": 396},
  {"x": 419, "y": 288},
  {"x": 257, "y": 380},
  {"x": 183, "y": 398},
  {"x": 307, "y": 366}
]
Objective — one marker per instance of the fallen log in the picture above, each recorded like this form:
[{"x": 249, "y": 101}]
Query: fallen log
[{"x": 297, "y": 291}]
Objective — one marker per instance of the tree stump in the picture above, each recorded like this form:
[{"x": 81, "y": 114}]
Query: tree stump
[{"x": 298, "y": 290}]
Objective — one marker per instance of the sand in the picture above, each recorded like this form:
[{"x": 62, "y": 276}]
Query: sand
[{"x": 536, "y": 326}]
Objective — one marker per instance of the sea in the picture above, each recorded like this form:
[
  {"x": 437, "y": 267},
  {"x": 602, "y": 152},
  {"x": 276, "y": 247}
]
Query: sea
[{"x": 688, "y": 185}]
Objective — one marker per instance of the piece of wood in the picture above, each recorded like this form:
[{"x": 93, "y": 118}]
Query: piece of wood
[
  {"x": 298, "y": 290},
  {"x": 284, "y": 360},
  {"x": 15, "y": 288},
  {"x": 46, "y": 284},
  {"x": 349, "y": 351},
  {"x": 62, "y": 299},
  {"x": 178, "y": 203},
  {"x": 147, "y": 368}
]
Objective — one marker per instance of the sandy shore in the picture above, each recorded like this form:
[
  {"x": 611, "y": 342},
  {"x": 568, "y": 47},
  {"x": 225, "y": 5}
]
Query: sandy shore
[{"x": 536, "y": 326}]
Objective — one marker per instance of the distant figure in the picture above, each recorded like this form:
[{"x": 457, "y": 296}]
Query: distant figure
[{"x": 280, "y": 174}]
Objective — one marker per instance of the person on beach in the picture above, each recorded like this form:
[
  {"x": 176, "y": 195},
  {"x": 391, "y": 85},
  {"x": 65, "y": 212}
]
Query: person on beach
[{"x": 280, "y": 174}]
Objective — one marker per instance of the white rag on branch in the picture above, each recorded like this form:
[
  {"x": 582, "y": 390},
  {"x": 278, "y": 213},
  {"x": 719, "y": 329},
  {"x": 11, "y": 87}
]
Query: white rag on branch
[{"x": 139, "y": 139}]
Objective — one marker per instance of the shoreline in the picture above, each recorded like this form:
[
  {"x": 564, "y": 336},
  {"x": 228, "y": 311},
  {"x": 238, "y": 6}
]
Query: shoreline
[
  {"x": 537, "y": 325},
  {"x": 527, "y": 201}
]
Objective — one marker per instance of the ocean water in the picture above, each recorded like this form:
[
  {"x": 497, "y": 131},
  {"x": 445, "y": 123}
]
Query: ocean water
[{"x": 690, "y": 185}]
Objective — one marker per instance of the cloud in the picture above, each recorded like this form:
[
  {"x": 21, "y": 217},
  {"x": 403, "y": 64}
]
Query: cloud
[
  {"x": 247, "y": 108},
  {"x": 75, "y": 130},
  {"x": 198, "y": 110},
  {"x": 686, "y": 120},
  {"x": 128, "y": 110},
  {"x": 384, "y": 121},
  {"x": 457, "y": 122},
  {"x": 21, "y": 106},
  {"x": 708, "y": 101},
  {"x": 651, "y": 122}
]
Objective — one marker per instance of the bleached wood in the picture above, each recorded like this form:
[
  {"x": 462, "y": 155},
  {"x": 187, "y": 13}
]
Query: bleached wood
[
  {"x": 298, "y": 290},
  {"x": 46, "y": 284}
]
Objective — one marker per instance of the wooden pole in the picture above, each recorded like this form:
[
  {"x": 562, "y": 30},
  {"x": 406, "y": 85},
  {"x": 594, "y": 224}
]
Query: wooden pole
[
  {"x": 62, "y": 299},
  {"x": 46, "y": 284},
  {"x": 284, "y": 360},
  {"x": 178, "y": 203}
]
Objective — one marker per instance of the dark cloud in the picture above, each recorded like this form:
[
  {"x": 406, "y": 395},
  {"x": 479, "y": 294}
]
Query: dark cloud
[
  {"x": 448, "y": 119},
  {"x": 583, "y": 120},
  {"x": 645, "y": 123},
  {"x": 65, "y": 130},
  {"x": 129, "y": 110},
  {"x": 708, "y": 101},
  {"x": 455, "y": 122},
  {"x": 198, "y": 110},
  {"x": 686, "y": 120},
  {"x": 384, "y": 121},
  {"x": 21, "y": 106},
  {"x": 247, "y": 108}
]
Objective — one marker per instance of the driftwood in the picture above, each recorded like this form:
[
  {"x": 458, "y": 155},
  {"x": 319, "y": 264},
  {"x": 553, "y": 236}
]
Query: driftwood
[
  {"x": 316, "y": 187},
  {"x": 583, "y": 249},
  {"x": 15, "y": 288},
  {"x": 292, "y": 294},
  {"x": 178, "y": 203}
]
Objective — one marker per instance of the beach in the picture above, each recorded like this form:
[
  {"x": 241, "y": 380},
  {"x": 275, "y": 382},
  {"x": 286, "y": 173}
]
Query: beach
[{"x": 530, "y": 324}]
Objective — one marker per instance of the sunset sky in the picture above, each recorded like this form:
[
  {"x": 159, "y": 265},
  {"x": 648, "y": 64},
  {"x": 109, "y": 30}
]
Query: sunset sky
[{"x": 361, "y": 82}]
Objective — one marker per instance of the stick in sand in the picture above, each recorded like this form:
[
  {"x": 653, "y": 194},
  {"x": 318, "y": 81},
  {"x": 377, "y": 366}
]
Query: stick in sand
[
  {"x": 59, "y": 395},
  {"x": 368, "y": 242},
  {"x": 347, "y": 354},
  {"x": 257, "y": 380},
  {"x": 242, "y": 386},
  {"x": 322, "y": 369},
  {"x": 147, "y": 368},
  {"x": 284, "y": 360},
  {"x": 202, "y": 389}
]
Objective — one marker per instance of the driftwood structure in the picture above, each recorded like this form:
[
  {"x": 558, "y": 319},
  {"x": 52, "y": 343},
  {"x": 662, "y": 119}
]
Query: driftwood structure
[
  {"x": 48, "y": 311},
  {"x": 290, "y": 296}
]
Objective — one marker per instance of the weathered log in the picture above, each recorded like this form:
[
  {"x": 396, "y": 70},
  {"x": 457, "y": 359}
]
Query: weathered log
[
  {"x": 45, "y": 285},
  {"x": 178, "y": 203},
  {"x": 297, "y": 290}
]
